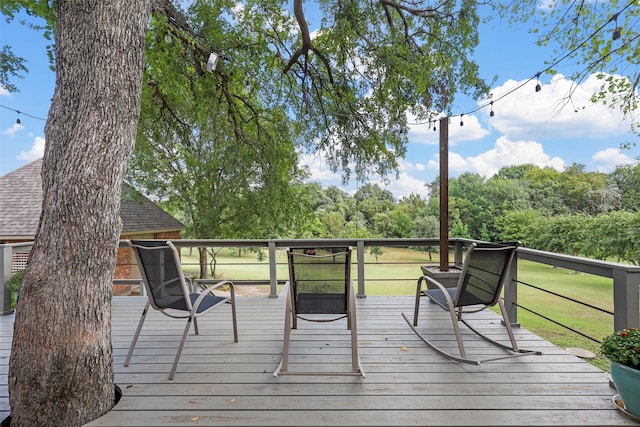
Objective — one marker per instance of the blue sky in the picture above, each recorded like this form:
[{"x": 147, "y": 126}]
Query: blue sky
[{"x": 528, "y": 126}]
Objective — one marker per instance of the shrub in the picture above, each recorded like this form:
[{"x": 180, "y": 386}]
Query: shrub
[{"x": 623, "y": 347}]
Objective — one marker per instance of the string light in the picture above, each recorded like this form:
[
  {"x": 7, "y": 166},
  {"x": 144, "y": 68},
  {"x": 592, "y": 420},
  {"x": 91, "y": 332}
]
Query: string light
[
  {"x": 557, "y": 61},
  {"x": 538, "y": 87},
  {"x": 461, "y": 122},
  {"x": 491, "y": 113},
  {"x": 616, "y": 31},
  {"x": 23, "y": 113}
]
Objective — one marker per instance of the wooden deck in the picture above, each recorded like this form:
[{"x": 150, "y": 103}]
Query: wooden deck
[{"x": 219, "y": 383}]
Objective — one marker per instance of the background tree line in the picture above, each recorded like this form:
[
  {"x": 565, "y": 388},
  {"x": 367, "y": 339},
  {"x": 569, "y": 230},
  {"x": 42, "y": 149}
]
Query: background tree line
[{"x": 572, "y": 211}]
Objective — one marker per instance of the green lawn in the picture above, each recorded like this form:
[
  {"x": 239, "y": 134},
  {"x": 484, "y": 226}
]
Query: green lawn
[
  {"x": 590, "y": 289},
  {"x": 388, "y": 276}
]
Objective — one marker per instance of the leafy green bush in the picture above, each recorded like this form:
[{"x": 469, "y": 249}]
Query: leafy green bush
[
  {"x": 13, "y": 285},
  {"x": 14, "y": 282}
]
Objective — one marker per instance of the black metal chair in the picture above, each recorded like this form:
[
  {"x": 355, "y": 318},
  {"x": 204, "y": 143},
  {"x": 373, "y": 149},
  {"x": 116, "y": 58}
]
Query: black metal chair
[
  {"x": 320, "y": 289},
  {"x": 171, "y": 293},
  {"x": 482, "y": 278}
]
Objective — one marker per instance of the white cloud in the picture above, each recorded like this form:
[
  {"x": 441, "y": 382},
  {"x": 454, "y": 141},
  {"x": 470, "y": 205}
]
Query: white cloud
[
  {"x": 13, "y": 129},
  {"x": 404, "y": 185},
  {"x": 607, "y": 160},
  {"x": 504, "y": 153},
  {"x": 36, "y": 151},
  {"x": 561, "y": 109},
  {"x": 319, "y": 170},
  {"x": 3, "y": 91},
  {"x": 404, "y": 166}
]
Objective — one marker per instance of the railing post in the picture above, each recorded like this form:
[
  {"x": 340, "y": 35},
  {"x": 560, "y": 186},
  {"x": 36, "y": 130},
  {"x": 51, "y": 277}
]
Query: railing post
[
  {"x": 273, "y": 270},
  {"x": 510, "y": 292},
  {"x": 360, "y": 255},
  {"x": 458, "y": 254},
  {"x": 5, "y": 274},
  {"x": 625, "y": 300}
]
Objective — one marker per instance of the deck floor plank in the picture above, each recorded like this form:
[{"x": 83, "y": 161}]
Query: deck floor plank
[{"x": 221, "y": 383}]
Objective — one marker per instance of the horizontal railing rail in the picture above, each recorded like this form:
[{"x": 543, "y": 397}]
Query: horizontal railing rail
[{"x": 626, "y": 278}]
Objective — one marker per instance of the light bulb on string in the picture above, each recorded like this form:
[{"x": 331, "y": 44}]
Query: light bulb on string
[
  {"x": 616, "y": 34},
  {"x": 538, "y": 86},
  {"x": 461, "y": 122},
  {"x": 616, "y": 31},
  {"x": 491, "y": 113}
]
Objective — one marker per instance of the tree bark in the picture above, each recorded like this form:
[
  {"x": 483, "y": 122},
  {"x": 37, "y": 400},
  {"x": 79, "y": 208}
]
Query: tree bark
[{"x": 61, "y": 367}]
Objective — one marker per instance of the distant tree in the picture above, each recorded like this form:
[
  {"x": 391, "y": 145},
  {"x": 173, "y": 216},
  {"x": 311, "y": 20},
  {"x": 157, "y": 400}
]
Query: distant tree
[
  {"x": 356, "y": 228},
  {"x": 414, "y": 205},
  {"x": 521, "y": 225},
  {"x": 627, "y": 181},
  {"x": 544, "y": 188},
  {"x": 402, "y": 223},
  {"x": 377, "y": 252},
  {"x": 382, "y": 225},
  {"x": 372, "y": 200},
  {"x": 458, "y": 229},
  {"x": 426, "y": 226},
  {"x": 334, "y": 225},
  {"x": 564, "y": 234},
  {"x": 341, "y": 202},
  {"x": 604, "y": 199},
  {"x": 517, "y": 172},
  {"x": 614, "y": 235},
  {"x": 579, "y": 187}
]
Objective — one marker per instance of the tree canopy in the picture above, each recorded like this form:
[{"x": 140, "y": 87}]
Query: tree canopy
[{"x": 222, "y": 148}]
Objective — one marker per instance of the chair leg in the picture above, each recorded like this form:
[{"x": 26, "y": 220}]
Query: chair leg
[
  {"x": 179, "y": 352},
  {"x": 284, "y": 361},
  {"x": 352, "y": 321},
  {"x": 456, "y": 330},
  {"x": 135, "y": 336},
  {"x": 417, "y": 304},
  {"x": 233, "y": 313},
  {"x": 507, "y": 324}
]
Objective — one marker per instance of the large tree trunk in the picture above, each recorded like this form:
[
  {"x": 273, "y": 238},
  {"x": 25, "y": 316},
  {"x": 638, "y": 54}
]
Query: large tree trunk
[{"x": 61, "y": 368}]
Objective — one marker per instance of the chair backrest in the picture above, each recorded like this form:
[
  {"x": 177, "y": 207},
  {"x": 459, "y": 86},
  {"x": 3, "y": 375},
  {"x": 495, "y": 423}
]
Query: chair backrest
[
  {"x": 320, "y": 279},
  {"x": 159, "y": 264},
  {"x": 483, "y": 273}
]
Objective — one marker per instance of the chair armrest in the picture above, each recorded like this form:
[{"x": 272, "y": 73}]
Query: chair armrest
[
  {"x": 441, "y": 288},
  {"x": 209, "y": 284},
  {"x": 209, "y": 289}
]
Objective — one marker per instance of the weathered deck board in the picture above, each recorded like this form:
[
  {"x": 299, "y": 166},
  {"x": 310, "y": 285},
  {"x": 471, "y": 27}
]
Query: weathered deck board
[{"x": 221, "y": 383}]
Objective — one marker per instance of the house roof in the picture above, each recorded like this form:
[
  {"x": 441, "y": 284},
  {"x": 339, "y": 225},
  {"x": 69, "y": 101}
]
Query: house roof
[{"x": 21, "y": 201}]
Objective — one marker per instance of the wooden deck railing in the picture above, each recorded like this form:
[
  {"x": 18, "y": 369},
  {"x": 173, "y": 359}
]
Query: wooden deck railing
[{"x": 626, "y": 278}]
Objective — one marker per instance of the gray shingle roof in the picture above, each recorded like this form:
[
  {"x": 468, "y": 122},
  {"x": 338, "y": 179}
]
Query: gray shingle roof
[{"x": 21, "y": 201}]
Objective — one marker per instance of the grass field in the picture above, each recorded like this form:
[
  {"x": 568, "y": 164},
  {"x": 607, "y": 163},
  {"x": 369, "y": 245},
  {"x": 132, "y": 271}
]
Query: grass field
[{"x": 395, "y": 273}]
